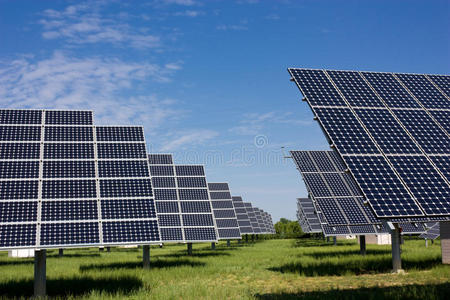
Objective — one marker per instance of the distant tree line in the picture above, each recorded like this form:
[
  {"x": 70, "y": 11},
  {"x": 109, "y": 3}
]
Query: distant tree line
[{"x": 286, "y": 229}]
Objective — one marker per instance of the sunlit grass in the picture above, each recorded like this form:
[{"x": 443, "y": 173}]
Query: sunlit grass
[{"x": 266, "y": 269}]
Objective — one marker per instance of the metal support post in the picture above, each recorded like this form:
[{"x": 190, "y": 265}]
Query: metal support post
[
  {"x": 189, "y": 248},
  {"x": 60, "y": 252},
  {"x": 396, "y": 257},
  {"x": 362, "y": 245},
  {"x": 146, "y": 256},
  {"x": 40, "y": 257},
  {"x": 213, "y": 246},
  {"x": 228, "y": 243},
  {"x": 334, "y": 241}
]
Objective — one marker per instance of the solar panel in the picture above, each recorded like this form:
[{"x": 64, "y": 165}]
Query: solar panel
[
  {"x": 306, "y": 214},
  {"x": 182, "y": 200},
  {"x": 57, "y": 192},
  {"x": 392, "y": 131},
  {"x": 259, "y": 219},
  {"x": 245, "y": 227},
  {"x": 252, "y": 217},
  {"x": 222, "y": 203}
]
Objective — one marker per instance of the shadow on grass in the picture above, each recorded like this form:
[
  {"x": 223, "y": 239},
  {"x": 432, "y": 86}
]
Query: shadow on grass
[
  {"x": 414, "y": 291},
  {"x": 357, "y": 267},
  {"x": 155, "y": 263},
  {"x": 72, "y": 287},
  {"x": 196, "y": 253},
  {"x": 16, "y": 262},
  {"x": 347, "y": 252},
  {"x": 74, "y": 255},
  {"x": 311, "y": 243}
]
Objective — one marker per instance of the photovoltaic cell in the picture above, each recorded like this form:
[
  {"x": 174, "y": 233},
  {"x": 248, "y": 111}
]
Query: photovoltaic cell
[
  {"x": 224, "y": 212},
  {"x": 245, "y": 226}
]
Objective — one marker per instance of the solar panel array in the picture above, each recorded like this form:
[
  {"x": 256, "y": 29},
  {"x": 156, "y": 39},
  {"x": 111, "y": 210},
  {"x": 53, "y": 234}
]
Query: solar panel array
[
  {"x": 392, "y": 131},
  {"x": 252, "y": 216},
  {"x": 336, "y": 198},
  {"x": 260, "y": 220},
  {"x": 66, "y": 183},
  {"x": 433, "y": 231},
  {"x": 245, "y": 226},
  {"x": 224, "y": 211},
  {"x": 307, "y": 217},
  {"x": 182, "y": 201}
]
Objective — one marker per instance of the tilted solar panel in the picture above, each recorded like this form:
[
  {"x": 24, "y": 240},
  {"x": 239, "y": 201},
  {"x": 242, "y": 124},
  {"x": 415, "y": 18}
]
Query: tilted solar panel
[
  {"x": 392, "y": 131},
  {"x": 57, "y": 191},
  {"x": 252, "y": 217},
  {"x": 224, "y": 211},
  {"x": 245, "y": 226},
  {"x": 182, "y": 199}
]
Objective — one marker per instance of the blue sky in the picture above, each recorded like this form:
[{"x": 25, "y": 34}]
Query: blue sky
[{"x": 208, "y": 79}]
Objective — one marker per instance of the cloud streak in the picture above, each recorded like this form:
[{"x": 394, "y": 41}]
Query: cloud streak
[{"x": 190, "y": 138}]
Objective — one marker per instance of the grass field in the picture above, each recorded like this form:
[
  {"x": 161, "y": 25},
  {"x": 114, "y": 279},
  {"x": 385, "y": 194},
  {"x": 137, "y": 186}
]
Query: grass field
[{"x": 269, "y": 269}]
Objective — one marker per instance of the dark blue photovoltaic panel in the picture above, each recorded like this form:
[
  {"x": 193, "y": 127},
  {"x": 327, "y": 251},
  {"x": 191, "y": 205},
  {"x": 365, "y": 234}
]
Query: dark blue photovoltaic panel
[
  {"x": 11, "y": 116},
  {"x": 316, "y": 185},
  {"x": 222, "y": 204},
  {"x": 130, "y": 231},
  {"x": 69, "y": 210},
  {"x": 16, "y": 235},
  {"x": 160, "y": 159},
  {"x": 127, "y": 168},
  {"x": 20, "y": 133},
  {"x": 443, "y": 118},
  {"x": 218, "y": 186},
  {"x": 71, "y": 151},
  {"x": 442, "y": 82},
  {"x": 19, "y": 169},
  {"x": 122, "y": 150},
  {"x": 428, "y": 135},
  {"x": 335, "y": 230},
  {"x": 373, "y": 172},
  {"x": 163, "y": 182},
  {"x": 228, "y": 233},
  {"x": 20, "y": 150},
  {"x": 200, "y": 234},
  {"x": 225, "y": 223},
  {"x": 69, "y": 233},
  {"x": 443, "y": 164},
  {"x": 362, "y": 229},
  {"x": 424, "y": 91},
  {"x": 195, "y": 207},
  {"x": 422, "y": 180},
  {"x": 165, "y": 194},
  {"x": 184, "y": 182},
  {"x": 337, "y": 185},
  {"x": 123, "y": 134},
  {"x": 20, "y": 190},
  {"x": 220, "y": 214},
  {"x": 337, "y": 160},
  {"x": 23, "y": 211},
  {"x": 390, "y": 90},
  {"x": 220, "y": 195},
  {"x": 386, "y": 131},
  {"x": 354, "y": 89},
  {"x": 198, "y": 220},
  {"x": 171, "y": 234},
  {"x": 308, "y": 80},
  {"x": 355, "y": 191},
  {"x": 352, "y": 211},
  {"x": 321, "y": 160},
  {"x": 68, "y": 134},
  {"x": 190, "y": 170},
  {"x": 69, "y": 169},
  {"x": 128, "y": 209},
  {"x": 58, "y": 117},
  {"x": 191, "y": 194},
  {"x": 330, "y": 209},
  {"x": 65, "y": 189},
  {"x": 169, "y": 220},
  {"x": 167, "y": 207},
  {"x": 345, "y": 131},
  {"x": 305, "y": 163},
  {"x": 161, "y": 170},
  {"x": 125, "y": 188}
]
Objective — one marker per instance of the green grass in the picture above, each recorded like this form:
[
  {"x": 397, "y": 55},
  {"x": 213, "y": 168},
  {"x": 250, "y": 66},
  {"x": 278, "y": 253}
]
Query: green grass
[{"x": 269, "y": 269}]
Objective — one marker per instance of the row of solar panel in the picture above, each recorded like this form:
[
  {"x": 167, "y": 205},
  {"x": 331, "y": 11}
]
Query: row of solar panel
[
  {"x": 52, "y": 117},
  {"x": 70, "y": 133}
]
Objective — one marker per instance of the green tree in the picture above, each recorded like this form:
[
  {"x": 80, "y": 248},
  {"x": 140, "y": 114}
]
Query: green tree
[{"x": 287, "y": 229}]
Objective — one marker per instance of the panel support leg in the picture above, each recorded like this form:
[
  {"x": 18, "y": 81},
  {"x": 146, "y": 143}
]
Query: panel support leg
[
  {"x": 60, "y": 252},
  {"x": 108, "y": 249},
  {"x": 444, "y": 231},
  {"x": 146, "y": 257},
  {"x": 246, "y": 238},
  {"x": 396, "y": 250},
  {"x": 362, "y": 245},
  {"x": 334, "y": 241},
  {"x": 228, "y": 243},
  {"x": 328, "y": 239},
  {"x": 213, "y": 246},
  {"x": 40, "y": 257},
  {"x": 253, "y": 237},
  {"x": 426, "y": 243},
  {"x": 101, "y": 249},
  {"x": 189, "y": 248}
]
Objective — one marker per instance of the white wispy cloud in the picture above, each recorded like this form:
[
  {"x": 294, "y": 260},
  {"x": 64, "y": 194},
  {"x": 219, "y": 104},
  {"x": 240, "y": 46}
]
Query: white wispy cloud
[
  {"x": 106, "y": 86},
  {"x": 179, "y": 2},
  {"x": 84, "y": 24},
  {"x": 190, "y": 13},
  {"x": 232, "y": 27},
  {"x": 188, "y": 138},
  {"x": 255, "y": 123}
]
